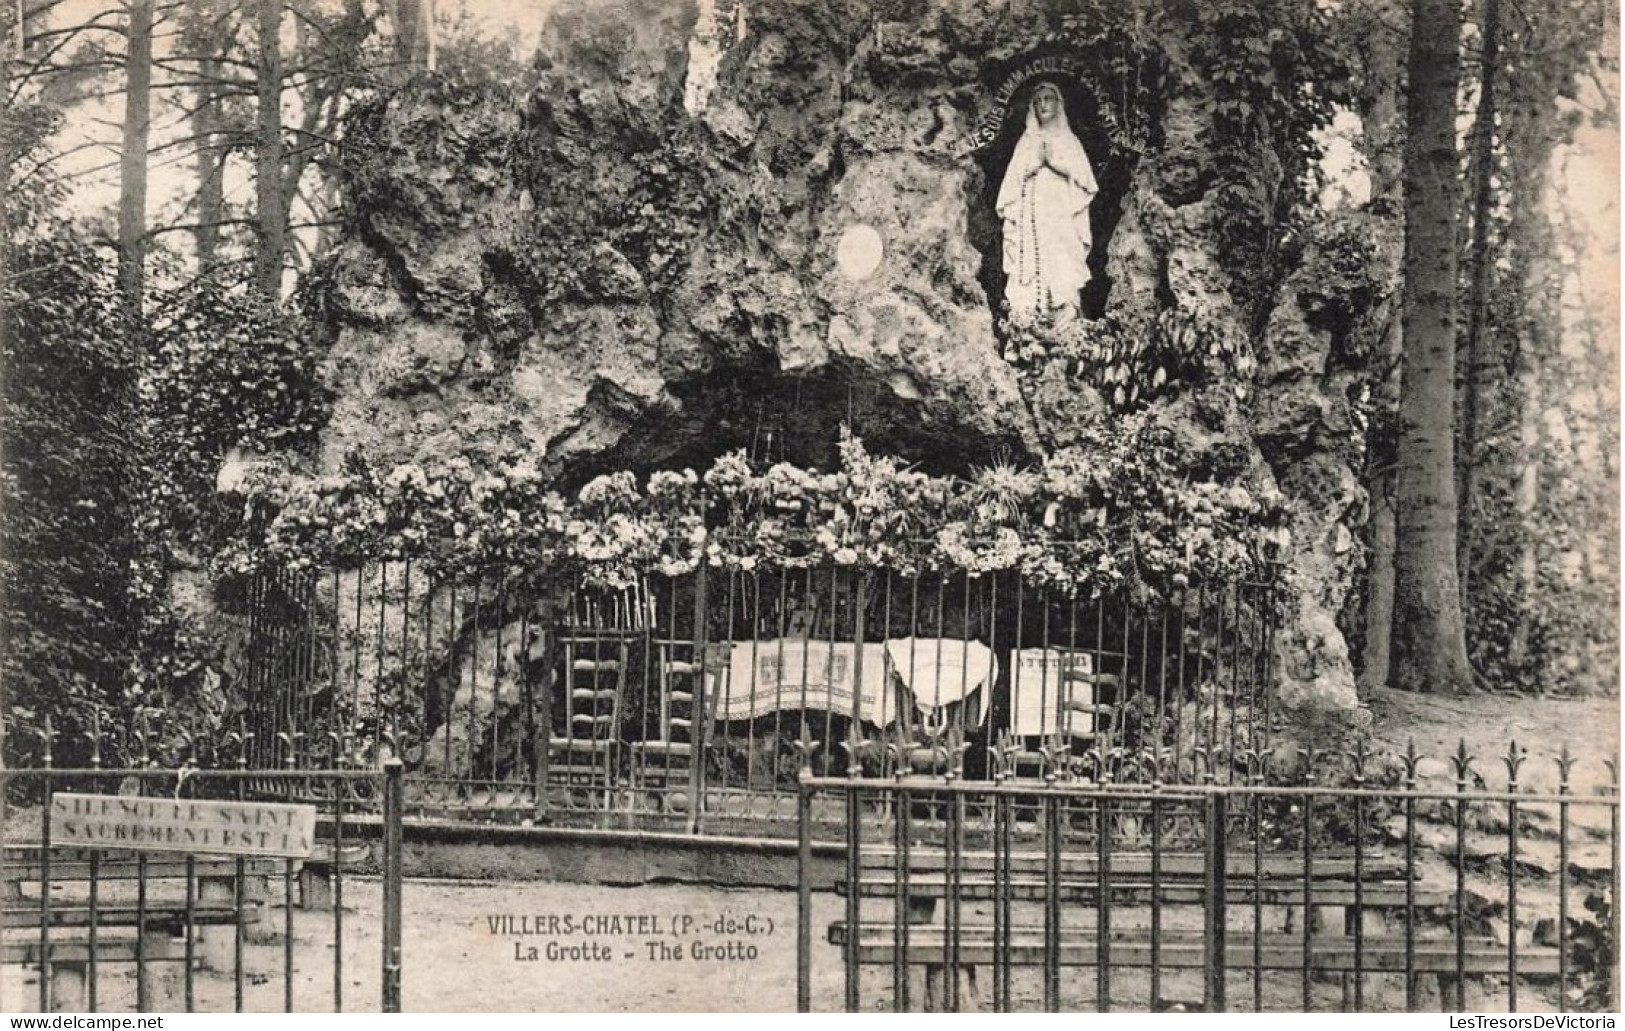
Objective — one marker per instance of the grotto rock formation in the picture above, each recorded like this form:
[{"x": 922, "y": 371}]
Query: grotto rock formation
[{"x": 598, "y": 276}]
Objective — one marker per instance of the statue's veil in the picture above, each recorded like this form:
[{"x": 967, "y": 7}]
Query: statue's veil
[{"x": 1066, "y": 153}]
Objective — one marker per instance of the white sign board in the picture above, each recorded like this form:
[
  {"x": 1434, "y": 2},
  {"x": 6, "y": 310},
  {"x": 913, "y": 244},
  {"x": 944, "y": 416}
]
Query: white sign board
[
  {"x": 1037, "y": 688},
  {"x": 183, "y": 825}
]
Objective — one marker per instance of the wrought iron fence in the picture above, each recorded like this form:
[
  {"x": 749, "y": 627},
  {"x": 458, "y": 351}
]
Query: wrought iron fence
[
  {"x": 681, "y": 699},
  {"x": 960, "y": 894},
  {"x": 124, "y": 928}
]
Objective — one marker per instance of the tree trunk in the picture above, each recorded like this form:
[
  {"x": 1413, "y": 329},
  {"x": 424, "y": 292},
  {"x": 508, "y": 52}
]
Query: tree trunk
[
  {"x": 1480, "y": 367},
  {"x": 132, "y": 208},
  {"x": 1383, "y": 128},
  {"x": 414, "y": 35},
  {"x": 270, "y": 212},
  {"x": 211, "y": 160},
  {"x": 1429, "y": 639}
]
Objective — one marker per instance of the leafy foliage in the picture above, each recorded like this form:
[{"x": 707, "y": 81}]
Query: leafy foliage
[
  {"x": 65, "y": 534},
  {"x": 224, "y": 371},
  {"x": 1129, "y": 369}
]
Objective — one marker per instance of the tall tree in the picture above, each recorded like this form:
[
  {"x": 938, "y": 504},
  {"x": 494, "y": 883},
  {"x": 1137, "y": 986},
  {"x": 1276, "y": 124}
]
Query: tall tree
[
  {"x": 271, "y": 212},
  {"x": 1481, "y": 364},
  {"x": 132, "y": 209},
  {"x": 1429, "y": 650},
  {"x": 1380, "y": 28},
  {"x": 414, "y": 34}
]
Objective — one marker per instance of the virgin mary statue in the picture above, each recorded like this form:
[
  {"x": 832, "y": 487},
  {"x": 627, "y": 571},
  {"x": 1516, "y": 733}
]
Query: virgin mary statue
[{"x": 1044, "y": 203}]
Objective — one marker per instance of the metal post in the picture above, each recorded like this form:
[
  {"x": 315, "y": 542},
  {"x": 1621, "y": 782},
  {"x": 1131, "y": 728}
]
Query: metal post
[
  {"x": 804, "y": 900},
  {"x": 1213, "y": 938},
  {"x": 701, "y": 704},
  {"x": 394, "y": 780}
]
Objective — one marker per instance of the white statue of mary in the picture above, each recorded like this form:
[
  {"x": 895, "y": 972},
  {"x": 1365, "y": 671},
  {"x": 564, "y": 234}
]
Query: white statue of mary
[{"x": 1044, "y": 203}]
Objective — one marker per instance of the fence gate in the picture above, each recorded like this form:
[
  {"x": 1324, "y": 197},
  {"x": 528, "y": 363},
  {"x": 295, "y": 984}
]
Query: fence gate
[{"x": 200, "y": 890}]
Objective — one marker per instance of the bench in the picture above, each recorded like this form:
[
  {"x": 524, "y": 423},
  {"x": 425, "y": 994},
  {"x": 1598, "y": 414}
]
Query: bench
[
  {"x": 77, "y": 932},
  {"x": 1338, "y": 918}
]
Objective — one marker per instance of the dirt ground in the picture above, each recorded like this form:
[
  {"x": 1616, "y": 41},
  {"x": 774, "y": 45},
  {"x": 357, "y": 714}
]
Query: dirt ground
[
  {"x": 467, "y": 948},
  {"x": 709, "y": 949},
  {"x": 1490, "y": 723}
]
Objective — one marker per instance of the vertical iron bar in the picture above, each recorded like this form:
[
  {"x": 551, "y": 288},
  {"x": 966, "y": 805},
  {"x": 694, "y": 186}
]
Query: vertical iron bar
[
  {"x": 1120, "y": 709},
  {"x": 1461, "y": 888},
  {"x": 1512, "y": 890},
  {"x": 1411, "y": 1001},
  {"x": 335, "y": 732},
  {"x": 453, "y": 677},
  {"x": 191, "y": 928},
  {"x": 1103, "y": 906},
  {"x": 239, "y": 894},
  {"x": 1156, "y": 898},
  {"x": 1179, "y": 682},
  {"x": 1217, "y": 685},
  {"x": 1145, "y": 678},
  {"x": 1563, "y": 891},
  {"x": 287, "y": 936},
  {"x": 804, "y": 896},
  {"x": 45, "y": 896},
  {"x": 1215, "y": 892},
  {"x": 1052, "y": 898},
  {"x": 781, "y": 637},
  {"x": 356, "y": 645},
  {"x": 140, "y": 920},
  {"x": 394, "y": 782},
  {"x": 700, "y": 730},
  {"x": 730, "y": 637},
  {"x": 1235, "y": 686},
  {"x": 1359, "y": 899},
  {"x": 1613, "y": 890},
  {"x": 1308, "y": 894},
  {"x": 955, "y": 840},
  {"x": 1258, "y": 882},
  {"x": 340, "y": 789},
  {"x": 95, "y": 922},
  {"x": 829, "y": 710},
  {"x": 901, "y": 908},
  {"x": 854, "y": 835},
  {"x": 1001, "y": 890},
  {"x": 496, "y": 679},
  {"x": 474, "y": 687}
]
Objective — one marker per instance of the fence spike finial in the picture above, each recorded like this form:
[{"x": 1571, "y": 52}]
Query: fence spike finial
[
  {"x": 899, "y": 758},
  {"x": 143, "y": 737},
  {"x": 1408, "y": 760},
  {"x": 1514, "y": 760},
  {"x": 1310, "y": 756},
  {"x": 1052, "y": 753},
  {"x": 1255, "y": 765},
  {"x": 1361, "y": 754},
  {"x": 855, "y": 746},
  {"x": 1565, "y": 765},
  {"x": 805, "y": 746},
  {"x": 96, "y": 738},
  {"x": 1463, "y": 763}
]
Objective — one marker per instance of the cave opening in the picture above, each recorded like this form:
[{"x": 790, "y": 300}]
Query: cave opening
[{"x": 796, "y": 416}]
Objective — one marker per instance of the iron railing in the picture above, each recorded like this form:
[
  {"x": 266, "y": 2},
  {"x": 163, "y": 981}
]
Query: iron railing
[
  {"x": 1060, "y": 895},
  {"x": 681, "y": 699},
  {"x": 125, "y": 929}
]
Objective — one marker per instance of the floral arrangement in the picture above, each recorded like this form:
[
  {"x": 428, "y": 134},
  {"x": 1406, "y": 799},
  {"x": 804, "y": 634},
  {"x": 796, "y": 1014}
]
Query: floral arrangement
[{"x": 1120, "y": 511}]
